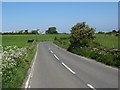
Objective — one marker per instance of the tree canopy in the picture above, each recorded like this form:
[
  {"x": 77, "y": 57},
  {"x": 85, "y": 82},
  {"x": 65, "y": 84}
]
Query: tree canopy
[
  {"x": 51, "y": 30},
  {"x": 81, "y": 35}
]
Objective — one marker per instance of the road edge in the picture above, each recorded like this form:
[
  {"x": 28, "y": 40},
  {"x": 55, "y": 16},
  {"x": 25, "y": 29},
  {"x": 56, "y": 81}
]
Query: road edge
[{"x": 29, "y": 70}]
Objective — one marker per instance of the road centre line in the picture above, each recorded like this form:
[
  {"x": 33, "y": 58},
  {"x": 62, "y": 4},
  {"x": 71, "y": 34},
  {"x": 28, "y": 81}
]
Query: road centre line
[
  {"x": 56, "y": 57},
  {"x": 49, "y": 48},
  {"x": 51, "y": 51},
  {"x": 90, "y": 86},
  {"x": 68, "y": 68}
]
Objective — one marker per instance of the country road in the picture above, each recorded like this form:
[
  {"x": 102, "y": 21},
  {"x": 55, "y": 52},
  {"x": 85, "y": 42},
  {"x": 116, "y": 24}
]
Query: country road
[{"x": 54, "y": 67}]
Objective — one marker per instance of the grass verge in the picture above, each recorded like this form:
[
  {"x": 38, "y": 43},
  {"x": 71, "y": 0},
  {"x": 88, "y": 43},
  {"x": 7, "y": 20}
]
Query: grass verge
[{"x": 19, "y": 73}]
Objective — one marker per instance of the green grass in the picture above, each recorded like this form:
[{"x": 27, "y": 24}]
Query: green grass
[
  {"x": 0, "y": 39},
  {"x": 21, "y": 40},
  {"x": 21, "y": 72},
  {"x": 107, "y": 41},
  {"x": 62, "y": 43}
]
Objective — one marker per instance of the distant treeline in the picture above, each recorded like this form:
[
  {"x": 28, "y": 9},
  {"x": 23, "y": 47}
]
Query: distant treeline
[
  {"x": 115, "y": 32},
  {"x": 10, "y": 33},
  {"x": 37, "y": 31},
  {"x": 52, "y": 30}
]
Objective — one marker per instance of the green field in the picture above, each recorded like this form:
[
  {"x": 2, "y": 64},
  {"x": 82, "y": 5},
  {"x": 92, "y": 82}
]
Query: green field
[
  {"x": 108, "y": 41},
  {"x": 21, "y": 40}
]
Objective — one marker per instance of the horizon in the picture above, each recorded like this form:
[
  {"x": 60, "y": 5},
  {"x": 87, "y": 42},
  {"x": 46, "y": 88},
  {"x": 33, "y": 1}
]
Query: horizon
[{"x": 63, "y": 15}]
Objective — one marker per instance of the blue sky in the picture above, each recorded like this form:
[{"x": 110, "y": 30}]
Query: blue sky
[{"x": 29, "y": 15}]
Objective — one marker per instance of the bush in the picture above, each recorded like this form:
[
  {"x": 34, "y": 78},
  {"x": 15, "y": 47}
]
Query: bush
[{"x": 81, "y": 35}]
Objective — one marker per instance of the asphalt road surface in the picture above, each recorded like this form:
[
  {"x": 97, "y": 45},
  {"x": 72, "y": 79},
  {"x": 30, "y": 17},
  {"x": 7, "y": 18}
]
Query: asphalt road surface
[{"x": 54, "y": 67}]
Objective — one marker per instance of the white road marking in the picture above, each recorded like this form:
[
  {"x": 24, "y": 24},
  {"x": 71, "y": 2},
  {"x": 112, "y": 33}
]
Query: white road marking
[
  {"x": 68, "y": 68},
  {"x": 26, "y": 85},
  {"x": 88, "y": 59},
  {"x": 49, "y": 48},
  {"x": 91, "y": 86},
  {"x": 51, "y": 51},
  {"x": 56, "y": 57},
  {"x": 31, "y": 72},
  {"x": 29, "y": 86}
]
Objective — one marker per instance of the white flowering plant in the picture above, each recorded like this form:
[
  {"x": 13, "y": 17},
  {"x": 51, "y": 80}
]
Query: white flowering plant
[{"x": 12, "y": 56}]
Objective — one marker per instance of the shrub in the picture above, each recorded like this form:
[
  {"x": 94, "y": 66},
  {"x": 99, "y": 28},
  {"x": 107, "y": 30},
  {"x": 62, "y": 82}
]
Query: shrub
[{"x": 81, "y": 35}]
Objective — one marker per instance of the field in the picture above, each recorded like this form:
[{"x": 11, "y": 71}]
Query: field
[
  {"x": 21, "y": 40},
  {"x": 108, "y": 41}
]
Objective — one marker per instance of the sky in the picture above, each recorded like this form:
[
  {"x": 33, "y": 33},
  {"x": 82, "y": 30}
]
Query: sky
[
  {"x": 63, "y": 15},
  {"x": 60, "y": 0},
  {"x": 0, "y": 17}
]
